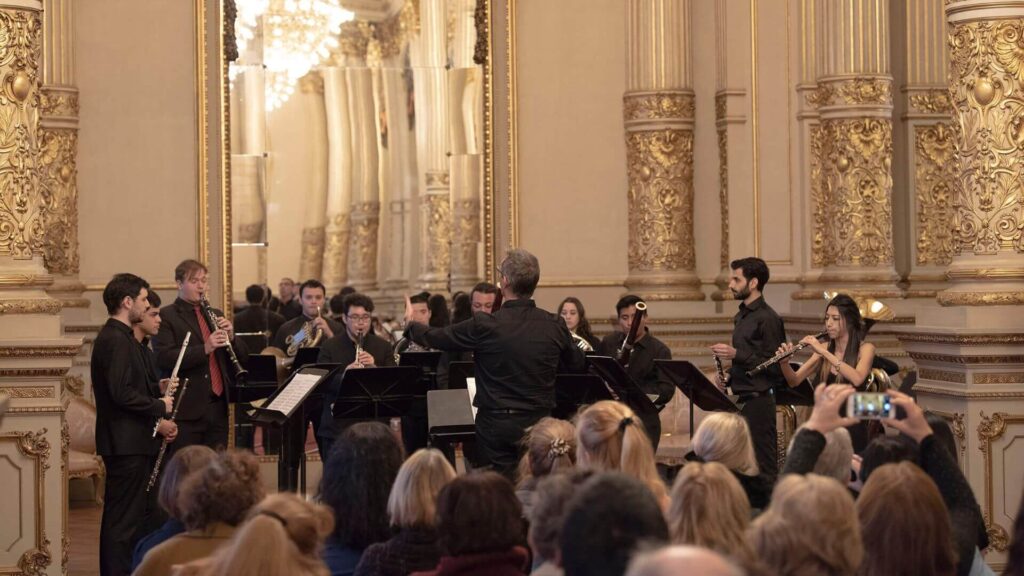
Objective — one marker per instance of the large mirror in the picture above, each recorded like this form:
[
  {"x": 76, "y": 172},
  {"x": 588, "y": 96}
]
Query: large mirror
[{"x": 357, "y": 146}]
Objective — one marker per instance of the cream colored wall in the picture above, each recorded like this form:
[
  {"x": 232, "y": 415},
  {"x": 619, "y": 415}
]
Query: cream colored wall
[{"x": 137, "y": 174}]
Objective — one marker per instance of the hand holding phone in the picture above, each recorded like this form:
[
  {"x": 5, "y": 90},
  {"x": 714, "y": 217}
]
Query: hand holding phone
[
  {"x": 913, "y": 424},
  {"x": 828, "y": 400}
]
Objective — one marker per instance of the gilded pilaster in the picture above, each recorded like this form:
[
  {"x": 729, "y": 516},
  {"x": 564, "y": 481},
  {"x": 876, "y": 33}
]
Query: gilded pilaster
[
  {"x": 658, "y": 110},
  {"x": 339, "y": 178},
  {"x": 365, "y": 208}
]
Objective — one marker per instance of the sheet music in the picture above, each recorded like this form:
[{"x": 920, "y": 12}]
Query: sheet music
[
  {"x": 294, "y": 393},
  {"x": 471, "y": 387}
]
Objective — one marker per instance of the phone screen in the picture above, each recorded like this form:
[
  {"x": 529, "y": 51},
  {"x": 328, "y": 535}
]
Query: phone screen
[{"x": 871, "y": 406}]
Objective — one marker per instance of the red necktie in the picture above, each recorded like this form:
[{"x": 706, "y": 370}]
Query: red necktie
[{"x": 216, "y": 384}]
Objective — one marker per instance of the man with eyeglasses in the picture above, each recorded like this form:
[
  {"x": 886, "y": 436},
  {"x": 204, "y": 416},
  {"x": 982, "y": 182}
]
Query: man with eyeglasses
[{"x": 356, "y": 316}]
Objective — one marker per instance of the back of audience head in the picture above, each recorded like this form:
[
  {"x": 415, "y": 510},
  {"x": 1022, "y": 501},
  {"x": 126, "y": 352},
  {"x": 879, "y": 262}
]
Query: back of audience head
[
  {"x": 357, "y": 479},
  {"x": 550, "y": 446},
  {"x": 905, "y": 524},
  {"x": 413, "y": 499},
  {"x": 547, "y": 517},
  {"x": 941, "y": 432},
  {"x": 283, "y": 535},
  {"x": 673, "y": 560},
  {"x": 834, "y": 460},
  {"x": 610, "y": 437},
  {"x": 611, "y": 516},
  {"x": 709, "y": 508},
  {"x": 184, "y": 463},
  {"x": 810, "y": 527},
  {"x": 462, "y": 307},
  {"x": 886, "y": 450},
  {"x": 439, "y": 314},
  {"x": 222, "y": 491},
  {"x": 725, "y": 438},
  {"x": 478, "y": 514}
]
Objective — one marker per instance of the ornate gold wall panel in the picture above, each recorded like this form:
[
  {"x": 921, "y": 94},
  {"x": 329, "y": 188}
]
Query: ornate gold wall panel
[
  {"x": 58, "y": 181},
  {"x": 36, "y": 447},
  {"x": 336, "y": 240},
  {"x": 365, "y": 219},
  {"x": 721, "y": 105},
  {"x": 990, "y": 430},
  {"x": 933, "y": 176},
  {"x": 436, "y": 225},
  {"x": 311, "y": 262}
]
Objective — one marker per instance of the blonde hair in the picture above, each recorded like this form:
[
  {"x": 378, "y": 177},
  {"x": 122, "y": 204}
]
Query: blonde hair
[
  {"x": 709, "y": 508},
  {"x": 610, "y": 436},
  {"x": 550, "y": 446},
  {"x": 413, "y": 498},
  {"x": 283, "y": 535},
  {"x": 809, "y": 528},
  {"x": 834, "y": 460},
  {"x": 725, "y": 438}
]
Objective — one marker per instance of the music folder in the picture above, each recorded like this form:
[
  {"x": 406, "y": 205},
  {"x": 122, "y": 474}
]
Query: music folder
[
  {"x": 629, "y": 393},
  {"x": 282, "y": 404},
  {"x": 575, "y": 390},
  {"x": 696, "y": 386},
  {"x": 385, "y": 392}
]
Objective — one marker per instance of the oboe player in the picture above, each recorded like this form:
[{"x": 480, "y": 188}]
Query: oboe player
[
  {"x": 203, "y": 414},
  {"x": 127, "y": 403},
  {"x": 758, "y": 331}
]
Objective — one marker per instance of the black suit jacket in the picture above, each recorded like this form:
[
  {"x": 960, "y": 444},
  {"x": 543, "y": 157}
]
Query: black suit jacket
[
  {"x": 127, "y": 398},
  {"x": 176, "y": 320},
  {"x": 342, "y": 350},
  {"x": 258, "y": 319}
]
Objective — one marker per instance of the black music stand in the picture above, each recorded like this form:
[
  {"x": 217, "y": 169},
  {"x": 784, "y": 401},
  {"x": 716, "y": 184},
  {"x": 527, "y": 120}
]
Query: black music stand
[
  {"x": 305, "y": 357},
  {"x": 696, "y": 386},
  {"x": 458, "y": 372},
  {"x": 291, "y": 419},
  {"x": 629, "y": 393},
  {"x": 261, "y": 383},
  {"x": 450, "y": 418},
  {"x": 575, "y": 390},
  {"x": 374, "y": 393},
  {"x": 800, "y": 395},
  {"x": 425, "y": 360}
]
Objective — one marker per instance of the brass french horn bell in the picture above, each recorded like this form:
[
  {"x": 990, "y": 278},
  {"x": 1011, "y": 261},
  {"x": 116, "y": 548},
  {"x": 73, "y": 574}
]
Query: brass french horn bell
[{"x": 871, "y": 310}]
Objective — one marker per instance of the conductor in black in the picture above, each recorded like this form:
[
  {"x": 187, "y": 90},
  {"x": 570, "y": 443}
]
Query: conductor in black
[
  {"x": 758, "y": 332},
  {"x": 517, "y": 351}
]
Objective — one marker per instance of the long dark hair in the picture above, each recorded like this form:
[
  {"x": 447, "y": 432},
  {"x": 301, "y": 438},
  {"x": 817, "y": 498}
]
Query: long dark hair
[
  {"x": 439, "y": 315},
  {"x": 360, "y": 469},
  {"x": 583, "y": 329},
  {"x": 855, "y": 332}
]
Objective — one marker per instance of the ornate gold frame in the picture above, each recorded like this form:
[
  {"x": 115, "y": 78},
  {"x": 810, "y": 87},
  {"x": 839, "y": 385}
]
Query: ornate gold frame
[
  {"x": 990, "y": 430},
  {"x": 35, "y": 446}
]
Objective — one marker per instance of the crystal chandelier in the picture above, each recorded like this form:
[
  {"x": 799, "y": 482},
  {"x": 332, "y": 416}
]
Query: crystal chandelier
[{"x": 297, "y": 36}]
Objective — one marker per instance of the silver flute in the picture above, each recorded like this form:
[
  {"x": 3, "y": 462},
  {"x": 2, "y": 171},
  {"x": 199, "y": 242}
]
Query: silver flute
[
  {"x": 163, "y": 446},
  {"x": 781, "y": 356}
]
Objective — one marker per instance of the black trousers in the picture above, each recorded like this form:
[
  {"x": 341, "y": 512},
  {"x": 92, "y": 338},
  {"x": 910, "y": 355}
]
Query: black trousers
[
  {"x": 126, "y": 507},
  {"x": 760, "y": 415},
  {"x": 499, "y": 435},
  {"x": 210, "y": 429}
]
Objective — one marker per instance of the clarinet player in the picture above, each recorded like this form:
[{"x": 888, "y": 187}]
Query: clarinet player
[
  {"x": 127, "y": 403},
  {"x": 203, "y": 414}
]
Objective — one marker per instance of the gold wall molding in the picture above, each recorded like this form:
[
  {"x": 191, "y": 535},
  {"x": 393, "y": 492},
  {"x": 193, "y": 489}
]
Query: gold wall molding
[
  {"x": 59, "y": 102},
  {"x": 336, "y": 250},
  {"x": 721, "y": 110},
  {"x": 963, "y": 339},
  {"x": 965, "y": 360},
  {"x": 999, "y": 378},
  {"x": 958, "y": 424},
  {"x": 933, "y": 172},
  {"x": 942, "y": 375},
  {"x": 961, "y": 395},
  {"x": 47, "y": 306},
  {"x": 32, "y": 372},
  {"x": 34, "y": 446},
  {"x": 364, "y": 222},
  {"x": 28, "y": 391},
  {"x": 819, "y": 203},
  {"x": 437, "y": 229},
  {"x": 73, "y": 383},
  {"x": 378, "y": 40},
  {"x": 438, "y": 179},
  {"x": 662, "y": 105},
  {"x": 986, "y": 273},
  {"x": 990, "y": 430},
  {"x": 931, "y": 101},
  {"x": 312, "y": 257},
  {"x": 465, "y": 224},
  {"x": 9, "y": 279},
  {"x": 58, "y": 148},
  {"x": 852, "y": 91},
  {"x": 986, "y": 80},
  {"x": 948, "y": 298}
]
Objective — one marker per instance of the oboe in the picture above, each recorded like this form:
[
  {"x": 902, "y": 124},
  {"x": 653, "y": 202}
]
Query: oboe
[
  {"x": 211, "y": 321},
  {"x": 174, "y": 374},
  {"x": 163, "y": 446},
  {"x": 720, "y": 371},
  {"x": 780, "y": 357}
]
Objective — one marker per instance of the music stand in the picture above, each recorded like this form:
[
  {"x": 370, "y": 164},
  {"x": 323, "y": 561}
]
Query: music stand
[
  {"x": 450, "y": 419},
  {"x": 305, "y": 357},
  {"x": 800, "y": 395},
  {"x": 629, "y": 393},
  {"x": 425, "y": 360},
  {"x": 695, "y": 386},
  {"x": 261, "y": 383},
  {"x": 458, "y": 372},
  {"x": 373, "y": 393},
  {"x": 285, "y": 409},
  {"x": 575, "y": 390}
]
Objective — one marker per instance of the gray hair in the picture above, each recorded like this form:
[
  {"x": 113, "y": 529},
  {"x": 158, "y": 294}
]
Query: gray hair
[
  {"x": 522, "y": 270},
  {"x": 834, "y": 460},
  {"x": 681, "y": 560}
]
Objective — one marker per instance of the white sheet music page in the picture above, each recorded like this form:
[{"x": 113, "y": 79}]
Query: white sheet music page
[
  {"x": 296, "y": 391},
  {"x": 471, "y": 388}
]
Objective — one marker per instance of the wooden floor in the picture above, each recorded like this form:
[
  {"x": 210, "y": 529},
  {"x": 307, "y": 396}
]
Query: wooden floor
[{"x": 84, "y": 532}]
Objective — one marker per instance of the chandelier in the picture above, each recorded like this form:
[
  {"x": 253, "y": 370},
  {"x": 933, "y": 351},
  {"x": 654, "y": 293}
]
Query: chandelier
[{"x": 297, "y": 36}]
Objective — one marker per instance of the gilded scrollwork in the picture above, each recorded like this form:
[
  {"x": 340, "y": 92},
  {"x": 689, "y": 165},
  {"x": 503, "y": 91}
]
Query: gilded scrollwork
[
  {"x": 949, "y": 298},
  {"x": 852, "y": 91},
  {"x": 933, "y": 173},
  {"x": 311, "y": 260},
  {"x": 336, "y": 239},
  {"x": 818, "y": 202},
  {"x": 376, "y": 41},
  {"x": 660, "y": 168},
  {"x": 931, "y": 102},
  {"x": 986, "y": 79},
  {"x": 58, "y": 148},
  {"x": 857, "y": 191},
  {"x": 59, "y": 103},
  {"x": 30, "y": 306},
  {"x": 465, "y": 237},
  {"x": 723, "y": 193},
  {"x": 437, "y": 231},
  {"x": 364, "y": 223},
  {"x": 676, "y": 105}
]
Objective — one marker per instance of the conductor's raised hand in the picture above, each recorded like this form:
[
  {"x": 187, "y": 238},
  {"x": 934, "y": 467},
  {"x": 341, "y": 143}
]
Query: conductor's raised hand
[
  {"x": 723, "y": 351},
  {"x": 408, "y": 309},
  {"x": 827, "y": 401},
  {"x": 914, "y": 423}
]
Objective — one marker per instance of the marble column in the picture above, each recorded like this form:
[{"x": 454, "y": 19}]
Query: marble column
[
  {"x": 34, "y": 355},
  {"x": 398, "y": 179},
  {"x": 311, "y": 98},
  {"x": 339, "y": 178},
  {"x": 658, "y": 108},
  {"x": 364, "y": 216},
  {"x": 852, "y": 239}
]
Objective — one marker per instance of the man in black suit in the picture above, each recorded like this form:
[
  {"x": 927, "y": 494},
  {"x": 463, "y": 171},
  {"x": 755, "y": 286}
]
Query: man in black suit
[
  {"x": 311, "y": 295},
  {"x": 203, "y": 413},
  {"x": 341, "y": 349},
  {"x": 257, "y": 318},
  {"x": 128, "y": 403},
  {"x": 288, "y": 304}
]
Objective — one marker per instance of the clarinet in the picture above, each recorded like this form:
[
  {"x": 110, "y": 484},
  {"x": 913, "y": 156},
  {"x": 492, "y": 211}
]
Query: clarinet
[
  {"x": 211, "y": 322},
  {"x": 720, "y": 371},
  {"x": 780, "y": 357},
  {"x": 163, "y": 446}
]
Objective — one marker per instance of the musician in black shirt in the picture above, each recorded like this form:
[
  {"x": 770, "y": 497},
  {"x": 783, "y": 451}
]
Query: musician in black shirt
[
  {"x": 758, "y": 331},
  {"x": 646, "y": 350},
  {"x": 517, "y": 350}
]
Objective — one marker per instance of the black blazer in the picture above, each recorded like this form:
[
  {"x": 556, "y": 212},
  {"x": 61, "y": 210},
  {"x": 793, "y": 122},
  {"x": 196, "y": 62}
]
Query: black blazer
[
  {"x": 127, "y": 398},
  {"x": 176, "y": 320}
]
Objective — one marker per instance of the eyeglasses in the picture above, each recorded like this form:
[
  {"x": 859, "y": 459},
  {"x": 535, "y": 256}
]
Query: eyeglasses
[{"x": 362, "y": 318}]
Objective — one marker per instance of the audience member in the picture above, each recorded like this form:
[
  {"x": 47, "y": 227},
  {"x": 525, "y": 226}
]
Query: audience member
[
  {"x": 550, "y": 506},
  {"x": 610, "y": 517},
  {"x": 462, "y": 307},
  {"x": 283, "y": 535},
  {"x": 412, "y": 508},
  {"x": 610, "y": 437},
  {"x": 725, "y": 438},
  {"x": 1015, "y": 557},
  {"x": 549, "y": 446},
  {"x": 213, "y": 501},
  {"x": 810, "y": 528},
  {"x": 835, "y": 458},
  {"x": 439, "y": 314},
  {"x": 184, "y": 462},
  {"x": 674, "y": 560},
  {"x": 710, "y": 509},
  {"x": 480, "y": 526},
  {"x": 357, "y": 479}
]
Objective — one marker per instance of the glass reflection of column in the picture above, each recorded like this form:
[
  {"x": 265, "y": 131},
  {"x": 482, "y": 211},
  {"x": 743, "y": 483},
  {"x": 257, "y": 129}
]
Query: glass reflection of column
[
  {"x": 365, "y": 214},
  {"x": 339, "y": 178}
]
